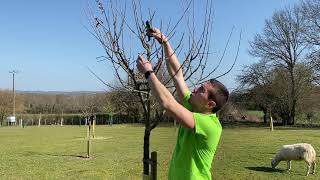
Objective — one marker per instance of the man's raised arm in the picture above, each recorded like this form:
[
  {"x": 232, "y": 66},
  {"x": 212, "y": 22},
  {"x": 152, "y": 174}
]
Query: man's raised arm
[
  {"x": 164, "y": 97},
  {"x": 172, "y": 62}
]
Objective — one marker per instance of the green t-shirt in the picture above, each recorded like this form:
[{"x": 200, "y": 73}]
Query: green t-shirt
[{"x": 195, "y": 148}]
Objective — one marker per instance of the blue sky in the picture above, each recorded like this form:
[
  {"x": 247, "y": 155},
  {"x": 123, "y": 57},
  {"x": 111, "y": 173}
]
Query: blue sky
[{"x": 47, "y": 42}]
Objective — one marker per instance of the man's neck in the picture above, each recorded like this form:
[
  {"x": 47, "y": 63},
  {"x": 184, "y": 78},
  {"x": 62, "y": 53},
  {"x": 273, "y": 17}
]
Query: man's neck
[{"x": 202, "y": 111}]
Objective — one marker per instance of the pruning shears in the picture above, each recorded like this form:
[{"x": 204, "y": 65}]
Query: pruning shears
[{"x": 149, "y": 28}]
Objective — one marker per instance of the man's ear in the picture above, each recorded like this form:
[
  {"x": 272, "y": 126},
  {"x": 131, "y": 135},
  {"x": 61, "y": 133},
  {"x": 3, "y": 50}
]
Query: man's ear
[{"x": 211, "y": 104}]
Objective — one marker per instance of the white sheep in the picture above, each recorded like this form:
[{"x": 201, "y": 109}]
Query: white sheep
[{"x": 301, "y": 151}]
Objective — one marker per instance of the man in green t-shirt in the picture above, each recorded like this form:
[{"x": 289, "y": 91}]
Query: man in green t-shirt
[{"x": 200, "y": 128}]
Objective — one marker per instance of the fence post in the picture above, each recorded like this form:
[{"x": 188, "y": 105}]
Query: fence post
[
  {"x": 271, "y": 123},
  {"x": 89, "y": 140},
  {"x": 61, "y": 121},
  {"x": 154, "y": 165},
  {"x": 39, "y": 121},
  {"x": 94, "y": 126}
]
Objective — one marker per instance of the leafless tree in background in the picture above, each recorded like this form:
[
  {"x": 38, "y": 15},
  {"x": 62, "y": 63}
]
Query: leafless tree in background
[
  {"x": 282, "y": 45},
  {"x": 257, "y": 80},
  {"x": 311, "y": 11},
  {"x": 269, "y": 88},
  {"x": 5, "y": 105}
]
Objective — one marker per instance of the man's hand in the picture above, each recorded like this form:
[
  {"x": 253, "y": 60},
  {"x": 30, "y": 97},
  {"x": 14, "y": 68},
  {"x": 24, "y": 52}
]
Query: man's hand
[
  {"x": 157, "y": 34},
  {"x": 143, "y": 65}
]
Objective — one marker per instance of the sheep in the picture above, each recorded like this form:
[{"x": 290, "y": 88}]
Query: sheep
[{"x": 301, "y": 151}]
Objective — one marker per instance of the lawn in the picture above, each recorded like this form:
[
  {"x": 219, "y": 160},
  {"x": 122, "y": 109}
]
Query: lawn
[
  {"x": 301, "y": 119},
  {"x": 258, "y": 114},
  {"x": 54, "y": 152}
]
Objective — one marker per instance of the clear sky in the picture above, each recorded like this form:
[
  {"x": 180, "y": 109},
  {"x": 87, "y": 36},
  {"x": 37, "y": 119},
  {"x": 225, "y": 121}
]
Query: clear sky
[{"x": 47, "y": 43}]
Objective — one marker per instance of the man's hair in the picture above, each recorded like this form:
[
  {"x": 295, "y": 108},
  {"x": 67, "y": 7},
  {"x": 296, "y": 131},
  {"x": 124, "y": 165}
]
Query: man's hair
[{"x": 219, "y": 94}]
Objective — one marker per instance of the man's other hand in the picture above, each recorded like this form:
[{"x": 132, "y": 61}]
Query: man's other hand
[{"x": 143, "y": 65}]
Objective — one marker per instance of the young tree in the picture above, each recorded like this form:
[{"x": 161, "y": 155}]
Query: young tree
[
  {"x": 89, "y": 107},
  {"x": 116, "y": 30},
  {"x": 5, "y": 105}
]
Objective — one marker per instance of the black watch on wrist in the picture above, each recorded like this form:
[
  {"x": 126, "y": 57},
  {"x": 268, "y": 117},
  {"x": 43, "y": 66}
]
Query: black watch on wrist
[{"x": 147, "y": 74}]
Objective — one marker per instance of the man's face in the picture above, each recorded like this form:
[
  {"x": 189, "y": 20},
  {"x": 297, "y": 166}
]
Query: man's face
[{"x": 199, "y": 96}]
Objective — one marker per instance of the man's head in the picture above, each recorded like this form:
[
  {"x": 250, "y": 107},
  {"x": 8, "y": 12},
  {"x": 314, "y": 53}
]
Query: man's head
[{"x": 209, "y": 97}]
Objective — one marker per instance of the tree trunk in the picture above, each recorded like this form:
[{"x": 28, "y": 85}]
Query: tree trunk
[
  {"x": 291, "y": 120},
  {"x": 285, "y": 122},
  {"x": 293, "y": 113},
  {"x": 265, "y": 115},
  {"x": 146, "y": 151},
  {"x": 2, "y": 117},
  {"x": 146, "y": 139}
]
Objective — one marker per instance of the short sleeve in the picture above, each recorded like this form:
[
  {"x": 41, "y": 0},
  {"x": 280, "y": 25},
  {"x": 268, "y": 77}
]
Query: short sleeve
[
  {"x": 185, "y": 102},
  {"x": 205, "y": 125}
]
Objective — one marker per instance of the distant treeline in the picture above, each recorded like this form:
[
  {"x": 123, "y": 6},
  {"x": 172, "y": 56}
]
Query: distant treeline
[{"x": 76, "y": 119}]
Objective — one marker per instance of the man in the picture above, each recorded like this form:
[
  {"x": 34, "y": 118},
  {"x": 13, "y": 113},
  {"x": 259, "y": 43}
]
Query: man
[{"x": 200, "y": 128}]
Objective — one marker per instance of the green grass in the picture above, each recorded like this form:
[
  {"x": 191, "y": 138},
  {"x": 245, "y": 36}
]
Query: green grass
[
  {"x": 258, "y": 114},
  {"x": 300, "y": 118},
  {"x": 315, "y": 119},
  {"x": 53, "y": 152},
  {"x": 244, "y": 153}
]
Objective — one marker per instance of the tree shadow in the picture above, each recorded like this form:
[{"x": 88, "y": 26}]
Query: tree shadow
[
  {"x": 264, "y": 169},
  {"x": 66, "y": 155},
  {"x": 30, "y": 153}
]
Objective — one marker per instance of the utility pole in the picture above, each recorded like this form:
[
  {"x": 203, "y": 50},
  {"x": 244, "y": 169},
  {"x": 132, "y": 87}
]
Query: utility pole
[{"x": 13, "y": 72}]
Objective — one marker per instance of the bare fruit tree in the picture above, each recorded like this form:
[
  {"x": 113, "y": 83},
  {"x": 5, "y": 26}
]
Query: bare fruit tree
[{"x": 122, "y": 34}]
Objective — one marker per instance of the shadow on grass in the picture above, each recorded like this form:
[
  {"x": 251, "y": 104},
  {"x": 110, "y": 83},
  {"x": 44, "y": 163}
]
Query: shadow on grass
[
  {"x": 264, "y": 169},
  {"x": 66, "y": 155},
  {"x": 29, "y": 153}
]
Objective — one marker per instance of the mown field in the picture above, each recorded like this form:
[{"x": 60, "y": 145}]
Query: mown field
[
  {"x": 301, "y": 119},
  {"x": 54, "y": 152}
]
